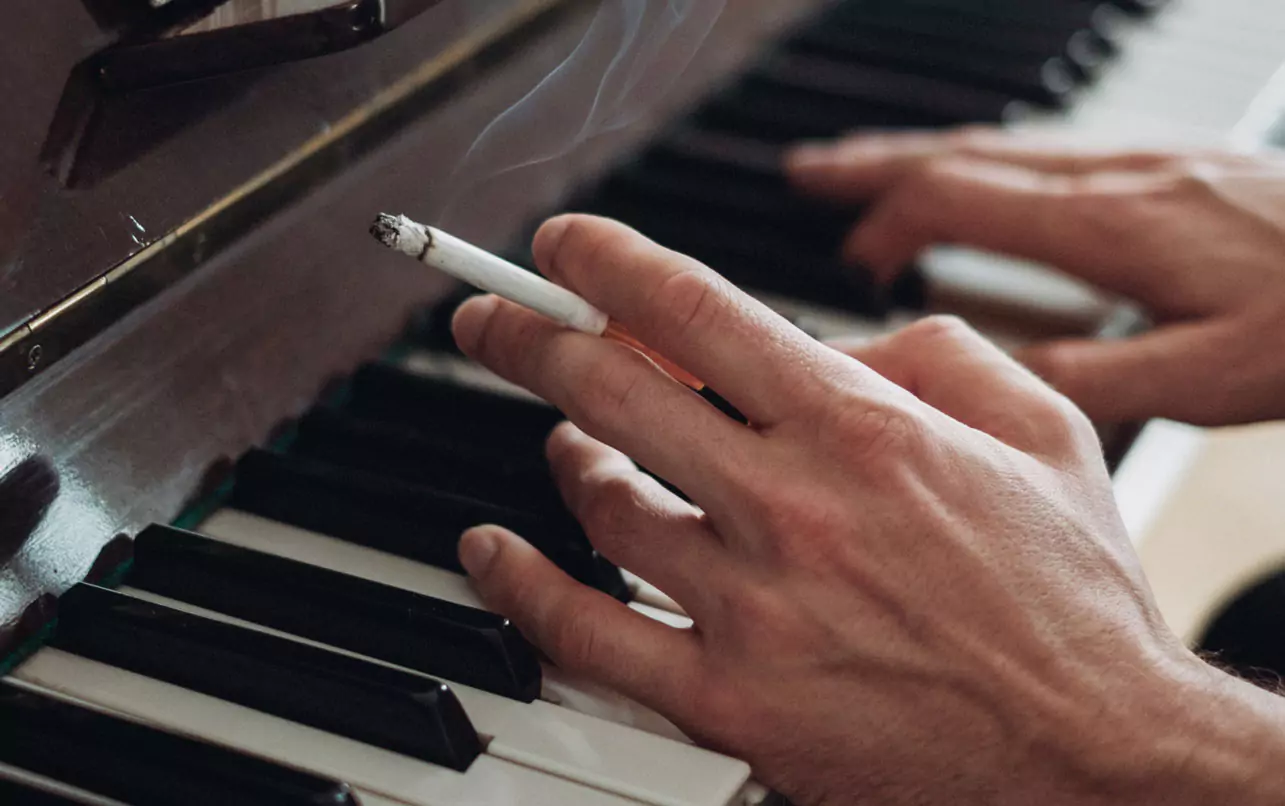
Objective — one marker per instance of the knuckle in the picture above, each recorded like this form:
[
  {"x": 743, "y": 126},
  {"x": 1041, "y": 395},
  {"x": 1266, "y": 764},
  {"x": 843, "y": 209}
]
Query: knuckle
[
  {"x": 874, "y": 432},
  {"x": 800, "y": 525},
  {"x": 974, "y": 139},
  {"x": 770, "y": 615},
  {"x": 509, "y": 587},
  {"x": 585, "y": 243},
  {"x": 939, "y": 171},
  {"x": 498, "y": 335},
  {"x": 763, "y": 607},
  {"x": 1059, "y": 424},
  {"x": 560, "y": 447},
  {"x": 574, "y": 638},
  {"x": 727, "y": 716},
  {"x": 1197, "y": 179},
  {"x": 938, "y": 329},
  {"x": 693, "y": 300},
  {"x": 606, "y": 392},
  {"x": 1109, "y": 215},
  {"x": 607, "y": 507}
]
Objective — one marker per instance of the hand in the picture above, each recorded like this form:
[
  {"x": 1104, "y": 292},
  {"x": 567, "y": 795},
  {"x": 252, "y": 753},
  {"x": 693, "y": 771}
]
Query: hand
[
  {"x": 1196, "y": 238},
  {"x": 908, "y": 579}
]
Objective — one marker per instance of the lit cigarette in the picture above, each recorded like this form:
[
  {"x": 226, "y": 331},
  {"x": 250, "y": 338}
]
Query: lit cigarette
[{"x": 495, "y": 275}]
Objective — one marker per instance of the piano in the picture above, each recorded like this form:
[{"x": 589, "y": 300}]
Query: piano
[{"x": 237, "y": 445}]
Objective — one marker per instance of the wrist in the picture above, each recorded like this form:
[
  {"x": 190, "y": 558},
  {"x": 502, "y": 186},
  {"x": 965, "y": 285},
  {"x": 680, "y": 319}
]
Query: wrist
[{"x": 1203, "y": 736}]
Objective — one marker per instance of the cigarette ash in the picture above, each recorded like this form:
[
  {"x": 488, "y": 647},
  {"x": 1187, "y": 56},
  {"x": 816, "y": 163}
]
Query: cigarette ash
[{"x": 402, "y": 234}]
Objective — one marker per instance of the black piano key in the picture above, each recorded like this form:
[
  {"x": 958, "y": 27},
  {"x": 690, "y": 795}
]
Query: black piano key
[
  {"x": 409, "y": 520},
  {"x": 1011, "y": 14},
  {"x": 440, "y": 638},
  {"x": 920, "y": 97},
  {"x": 714, "y": 157},
  {"x": 646, "y": 182},
  {"x": 756, "y": 258},
  {"x": 749, "y": 163},
  {"x": 142, "y": 766},
  {"x": 1139, "y": 7},
  {"x": 385, "y": 393},
  {"x": 443, "y": 463},
  {"x": 378, "y": 705},
  {"x": 754, "y": 109},
  {"x": 1082, "y": 49},
  {"x": 1047, "y": 81},
  {"x": 431, "y": 327},
  {"x": 1020, "y": 19},
  {"x": 16, "y": 793}
]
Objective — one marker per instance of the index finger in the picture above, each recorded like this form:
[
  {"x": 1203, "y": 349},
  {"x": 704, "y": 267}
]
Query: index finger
[
  {"x": 685, "y": 311},
  {"x": 861, "y": 166}
]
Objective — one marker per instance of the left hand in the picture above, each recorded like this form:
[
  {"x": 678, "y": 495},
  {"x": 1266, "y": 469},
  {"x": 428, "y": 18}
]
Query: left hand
[
  {"x": 1194, "y": 237},
  {"x": 909, "y": 580}
]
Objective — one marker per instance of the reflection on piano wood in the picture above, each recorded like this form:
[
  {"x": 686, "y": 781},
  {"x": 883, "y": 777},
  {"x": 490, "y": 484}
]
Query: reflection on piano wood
[
  {"x": 312, "y": 637},
  {"x": 240, "y": 12}
]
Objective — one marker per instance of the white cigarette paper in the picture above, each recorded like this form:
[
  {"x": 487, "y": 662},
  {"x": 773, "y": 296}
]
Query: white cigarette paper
[{"x": 483, "y": 270}]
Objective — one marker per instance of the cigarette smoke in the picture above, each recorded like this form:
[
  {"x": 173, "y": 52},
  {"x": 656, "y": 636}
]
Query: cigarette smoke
[{"x": 633, "y": 52}]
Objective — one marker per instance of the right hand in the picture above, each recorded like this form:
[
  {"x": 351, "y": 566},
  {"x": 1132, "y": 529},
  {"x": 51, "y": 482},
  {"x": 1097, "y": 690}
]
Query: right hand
[
  {"x": 1197, "y": 238},
  {"x": 908, "y": 578}
]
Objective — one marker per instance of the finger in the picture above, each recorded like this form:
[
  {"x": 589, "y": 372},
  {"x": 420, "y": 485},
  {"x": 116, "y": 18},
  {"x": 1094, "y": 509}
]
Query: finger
[
  {"x": 1086, "y": 227},
  {"x": 954, "y": 369},
  {"x": 633, "y": 520},
  {"x": 613, "y": 393},
  {"x": 1166, "y": 373},
  {"x": 746, "y": 352},
  {"x": 581, "y": 629},
  {"x": 859, "y": 167}
]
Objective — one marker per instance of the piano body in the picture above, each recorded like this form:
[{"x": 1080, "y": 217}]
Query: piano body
[{"x": 196, "y": 332}]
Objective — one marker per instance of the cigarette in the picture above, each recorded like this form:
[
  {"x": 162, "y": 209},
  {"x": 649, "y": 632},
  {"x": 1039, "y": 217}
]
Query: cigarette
[{"x": 495, "y": 275}]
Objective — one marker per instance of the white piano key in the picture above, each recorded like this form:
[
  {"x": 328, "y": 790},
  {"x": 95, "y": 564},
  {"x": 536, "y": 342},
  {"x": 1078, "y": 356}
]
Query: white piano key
[
  {"x": 443, "y": 366},
  {"x": 565, "y": 743},
  {"x": 577, "y": 694},
  {"x": 755, "y": 794},
  {"x": 253, "y": 532},
  {"x": 57, "y": 787},
  {"x": 1197, "y": 64},
  {"x": 629, "y": 762},
  {"x": 489, "y": 781},
  {"x": 271, "y": 537},
  {"x": 1189, "y": 75},
  {"x": 680, "y": 620},
  {"x": 646, "y": 593}
]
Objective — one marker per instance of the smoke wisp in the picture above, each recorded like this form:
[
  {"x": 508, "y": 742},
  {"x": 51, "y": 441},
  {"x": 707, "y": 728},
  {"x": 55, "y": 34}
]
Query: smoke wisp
[{"x": 632, "y": 53}]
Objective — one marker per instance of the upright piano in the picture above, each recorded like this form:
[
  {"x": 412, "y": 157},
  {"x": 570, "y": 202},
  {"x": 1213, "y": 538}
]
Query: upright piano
[{"x": 237, "y": 446}]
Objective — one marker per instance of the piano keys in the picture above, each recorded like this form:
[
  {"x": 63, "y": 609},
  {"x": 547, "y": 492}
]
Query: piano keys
[
  {"x": 98, "y": 753},
  {"x": 325, "y": 550},
  {"x": 454, "y": 640}
]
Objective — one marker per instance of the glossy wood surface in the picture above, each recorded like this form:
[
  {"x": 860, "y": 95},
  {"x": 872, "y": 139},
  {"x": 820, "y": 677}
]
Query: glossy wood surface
[
  {"x": 74, "y": 206},
  {"x": 135, "y": 424}
]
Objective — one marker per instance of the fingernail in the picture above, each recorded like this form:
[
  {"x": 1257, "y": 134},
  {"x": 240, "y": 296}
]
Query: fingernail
[
  {"x": 547, "y": 241},
  {"x": 478, "y": 548},
  {"x": 807, "y": 156},
  {"x": 470, "y": 321}
]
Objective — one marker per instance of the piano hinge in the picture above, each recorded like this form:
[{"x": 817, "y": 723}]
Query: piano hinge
[{"x": 50, "y": 335}]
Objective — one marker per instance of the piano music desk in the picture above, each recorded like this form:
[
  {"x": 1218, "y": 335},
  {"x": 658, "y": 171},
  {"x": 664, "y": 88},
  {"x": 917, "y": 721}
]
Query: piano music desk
[{"x": 1221, "y": 528}]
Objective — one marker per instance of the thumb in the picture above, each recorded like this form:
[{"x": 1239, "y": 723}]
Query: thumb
[
  {"x": 581, "y": 630},
  {"x": 1172, "y": 373}
]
